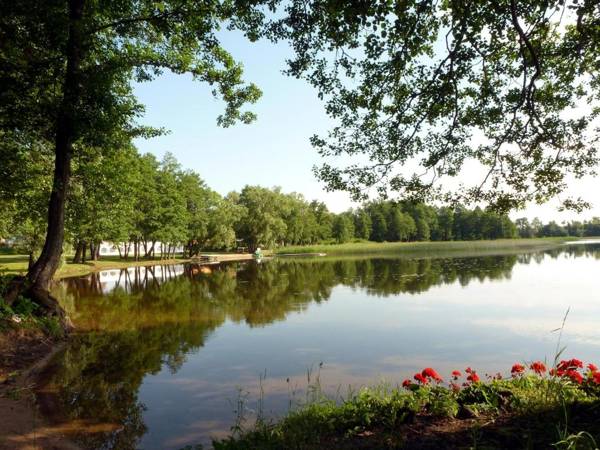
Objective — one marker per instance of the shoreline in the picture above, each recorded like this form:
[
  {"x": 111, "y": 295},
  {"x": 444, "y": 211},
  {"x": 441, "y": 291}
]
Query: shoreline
[
  {"x": 427, "y": 412},
  {"x": 16, "y": 263},
  {"x": 36, "y": 423},
  {"x": 24, "y": 424},
  {"x": 428, "y": 248}
]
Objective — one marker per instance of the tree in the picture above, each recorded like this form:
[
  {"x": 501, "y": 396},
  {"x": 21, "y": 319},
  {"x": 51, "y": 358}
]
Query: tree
[
  {"x": 425, "y": 219},
  {"x": 400, "y": 226},
  {"x": 199, "y": 201},
  {"x": 223, "y": 216},
  {"x": 592, "y": 228},
  {"x": 172, "y": 218},
  {"x": 362, "y": 224},
  {"x": 524, "y": 229},
  {"x": 380, "y": 228},
  {"x": 432, "y": 85},
  {"x": 301, "y": 223},
  {"x": 147, "y": 197},
  {"x": 262, "y": 223},
  {"x": 552, "y": 229},
  {"x": 66, "y": 72},
  {"x": 445, "y": 219},
  {"x": 536, "y": 225},
  {"x": 324, "y": 220},
  {"x": 101, "y": 204},
  {"x": 575, "y": 228},
  {"x": 343, "y": 228},
  {"x": 24, "y": 191}
]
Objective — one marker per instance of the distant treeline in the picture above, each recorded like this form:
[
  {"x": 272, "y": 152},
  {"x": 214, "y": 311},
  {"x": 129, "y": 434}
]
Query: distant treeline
[
  {"x": 406, "y": 221},
  {"x": 575, "y": 228},
  {"x": 150, "y": 207}
]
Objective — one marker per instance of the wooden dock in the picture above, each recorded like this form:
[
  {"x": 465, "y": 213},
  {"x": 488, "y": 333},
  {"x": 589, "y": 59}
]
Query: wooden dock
[
  {"x": 300, "y": 254},
  {"x": 215, "y": 258}
]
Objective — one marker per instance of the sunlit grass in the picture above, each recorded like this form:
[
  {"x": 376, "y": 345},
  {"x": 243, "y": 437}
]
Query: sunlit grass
[
  {"x": 366, "y": 247},
  {"x": 18, "y": 264}
]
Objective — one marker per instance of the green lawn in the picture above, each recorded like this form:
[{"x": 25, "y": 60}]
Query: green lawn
[
  {"x": 18, "y": 264},
  {"x": 416, "y": 248}
]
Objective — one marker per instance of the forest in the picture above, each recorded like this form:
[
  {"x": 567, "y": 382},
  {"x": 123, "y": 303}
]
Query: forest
[
  {"x": 441, "y": 121},
  {"x": 142, "y": 203}
]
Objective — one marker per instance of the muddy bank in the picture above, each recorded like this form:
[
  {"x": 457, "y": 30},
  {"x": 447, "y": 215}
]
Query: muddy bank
[{"x": 24, "y": 354}]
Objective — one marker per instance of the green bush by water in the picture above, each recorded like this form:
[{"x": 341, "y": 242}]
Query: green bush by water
[{"x": 536, "y": 412}]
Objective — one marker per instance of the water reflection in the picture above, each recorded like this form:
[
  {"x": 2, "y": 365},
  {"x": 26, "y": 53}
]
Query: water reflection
[
  {"x": 163, "y": 348},
  {"x": 257, "y": 294}
]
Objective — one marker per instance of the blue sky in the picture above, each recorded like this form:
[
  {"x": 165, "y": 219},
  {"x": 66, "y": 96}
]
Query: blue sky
[{"x": 274, "y": 150}]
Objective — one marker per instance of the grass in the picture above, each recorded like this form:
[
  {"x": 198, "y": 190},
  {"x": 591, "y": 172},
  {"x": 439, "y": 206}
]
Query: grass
[
  {"x": 424, "y": 248},
  {"x": 17, "y": 264},
  {"x": 528, "y": 411},
  {"x": 22, "y": 315}
]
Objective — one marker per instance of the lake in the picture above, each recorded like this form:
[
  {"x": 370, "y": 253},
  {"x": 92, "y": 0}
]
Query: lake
[{"x": 166, "y": 356}]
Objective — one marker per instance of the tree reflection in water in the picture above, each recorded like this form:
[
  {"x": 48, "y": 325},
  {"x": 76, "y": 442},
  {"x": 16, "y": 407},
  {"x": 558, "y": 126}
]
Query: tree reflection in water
[{"x": 135, "y": 322}]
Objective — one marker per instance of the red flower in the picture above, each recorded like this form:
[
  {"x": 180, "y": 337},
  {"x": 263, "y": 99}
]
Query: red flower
[
  {"x": 574, "y": 376},
  {"x": 420, "y": 378},
  {"x": 456, "y": 374},
  {"x": 596, "y": 377},
  {"x": 576, "y": 363},
  {"x": 570, "y": 364},
  {"x": 406, "y": 383},
  {"x": 592, "y": 367},
  {"x": 473, "y": 377},
  {"x": 468, "y": 370},
  {"x": 538, "y": 367},
  {"x": 517, "y": 369},
  {"x": 432, "y": 374}
]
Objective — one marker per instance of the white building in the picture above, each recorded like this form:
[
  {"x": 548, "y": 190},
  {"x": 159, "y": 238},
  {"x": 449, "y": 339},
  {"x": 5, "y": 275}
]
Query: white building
[
  {"x": 109, "y": 280},
  {"x": 108, "y": 248}
]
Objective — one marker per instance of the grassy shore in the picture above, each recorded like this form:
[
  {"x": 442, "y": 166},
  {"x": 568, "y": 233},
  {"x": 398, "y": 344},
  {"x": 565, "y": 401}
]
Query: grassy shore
[
  {"x": 17, "y": 264},
  {"x": 424, "y": 248},
  {"x": 528, "y": 410}
]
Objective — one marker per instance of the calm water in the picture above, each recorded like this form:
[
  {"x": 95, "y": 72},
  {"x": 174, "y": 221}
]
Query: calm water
[{"x": 167, "y": 350}]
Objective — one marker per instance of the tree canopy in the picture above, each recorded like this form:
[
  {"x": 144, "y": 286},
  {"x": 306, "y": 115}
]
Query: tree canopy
[
  {"x": 67, "y": 68},
  {"x": 419, "y": 89}
]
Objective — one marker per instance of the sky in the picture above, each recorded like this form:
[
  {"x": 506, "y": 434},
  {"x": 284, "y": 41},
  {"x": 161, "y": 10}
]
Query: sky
[{"x": 275, "y": 149}]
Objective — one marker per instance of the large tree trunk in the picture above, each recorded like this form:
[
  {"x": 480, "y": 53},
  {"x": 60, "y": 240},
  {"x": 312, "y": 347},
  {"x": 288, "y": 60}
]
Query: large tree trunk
[
  {"x": 31, "y": 261},
  {"x": 40, "y": 275},
  {"x": 93, "y": 251},
  {"x": 148, "y": 249},
  {"x": 78, "y": 253}
]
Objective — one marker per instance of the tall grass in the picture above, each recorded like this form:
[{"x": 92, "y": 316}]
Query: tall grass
[
  {"x": 367, "y": 247},
  {"x": 383, "y": 412}
]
